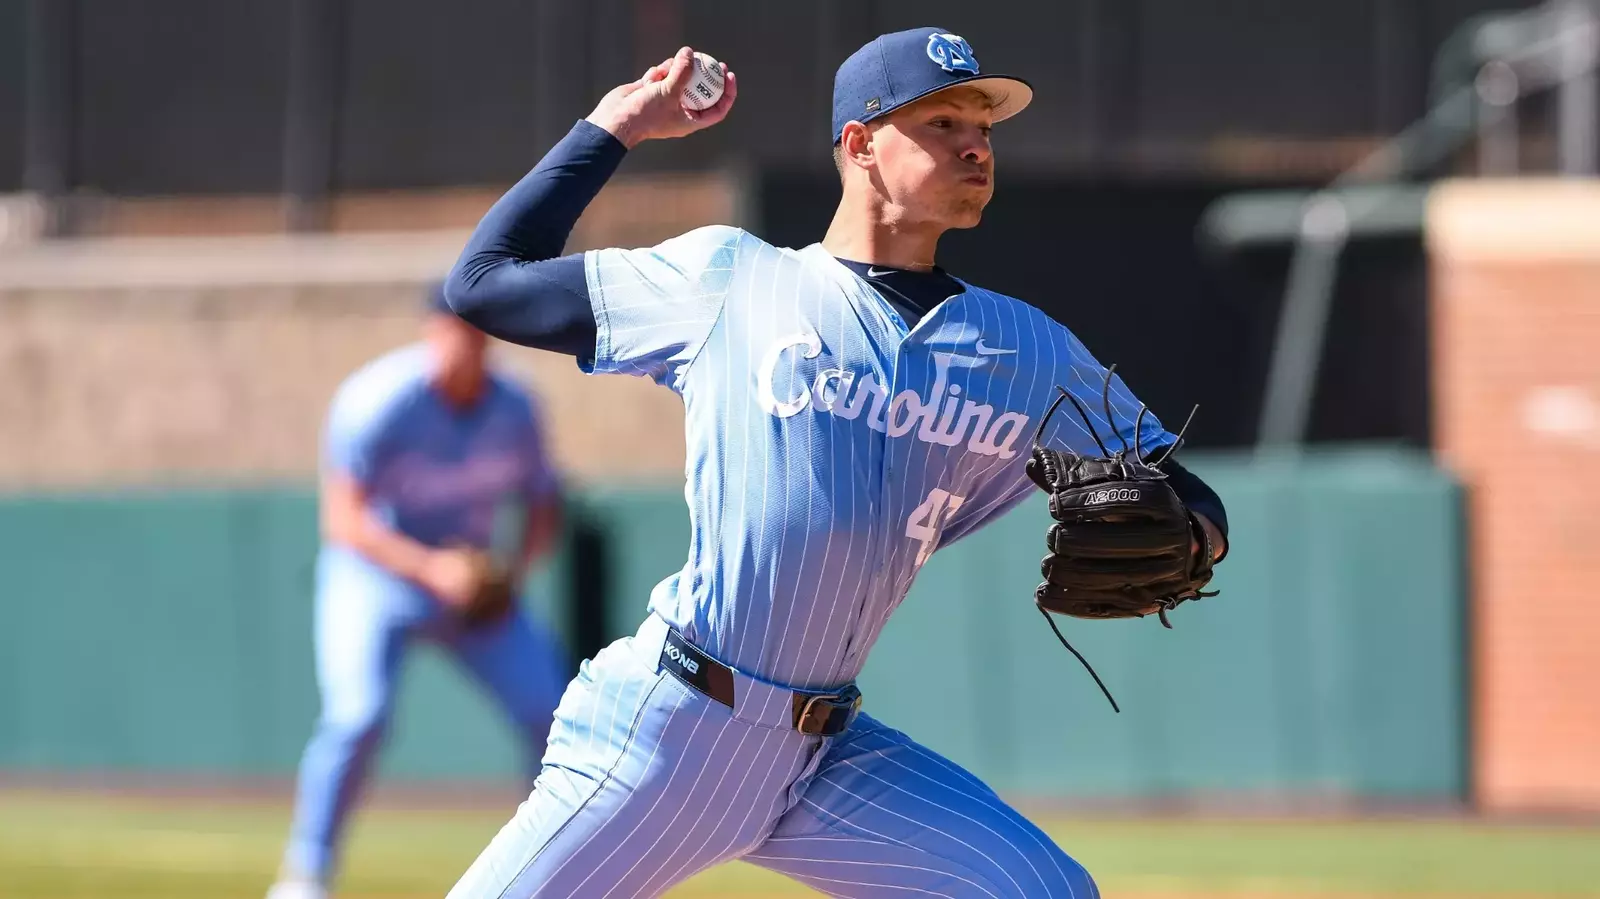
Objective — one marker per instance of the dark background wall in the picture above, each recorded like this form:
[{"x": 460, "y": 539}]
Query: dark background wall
[
  {"x": 187, "y": 98},
  {"x": 198, "y": 96},
  {"x": 13, "y": 90}
]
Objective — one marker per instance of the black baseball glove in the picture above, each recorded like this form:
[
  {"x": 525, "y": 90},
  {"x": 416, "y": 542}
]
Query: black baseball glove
[{"x": 1123, "y": 545}]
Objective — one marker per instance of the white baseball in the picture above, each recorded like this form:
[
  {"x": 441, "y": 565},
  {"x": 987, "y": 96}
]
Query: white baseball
[{"x": 704, "y": 87}]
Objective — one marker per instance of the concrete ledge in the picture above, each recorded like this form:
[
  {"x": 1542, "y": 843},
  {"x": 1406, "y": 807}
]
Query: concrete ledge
[
  {"x": 142, "y": 263},
  {"x": 1522, "y": 220}
]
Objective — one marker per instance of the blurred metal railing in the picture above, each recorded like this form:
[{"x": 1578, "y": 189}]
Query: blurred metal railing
[
  {"x": 1480, "y": 74},
  {"x": 47, "y": 116}
]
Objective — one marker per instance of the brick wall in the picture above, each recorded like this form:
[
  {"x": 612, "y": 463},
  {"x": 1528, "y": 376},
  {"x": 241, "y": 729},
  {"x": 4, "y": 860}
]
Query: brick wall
[{"x": 1516, "y": 311}]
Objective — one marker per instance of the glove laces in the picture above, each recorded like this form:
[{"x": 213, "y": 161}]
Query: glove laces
[{"x": 1083, "y": 661}]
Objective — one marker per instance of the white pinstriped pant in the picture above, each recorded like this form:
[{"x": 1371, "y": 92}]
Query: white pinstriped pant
[{"x": 647, "y": 782}]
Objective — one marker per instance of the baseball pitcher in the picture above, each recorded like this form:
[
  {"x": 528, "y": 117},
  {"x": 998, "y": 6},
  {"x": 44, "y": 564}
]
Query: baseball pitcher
[
  {"x": 436, "y": 496},
  {"x": 850, "y": 409}
]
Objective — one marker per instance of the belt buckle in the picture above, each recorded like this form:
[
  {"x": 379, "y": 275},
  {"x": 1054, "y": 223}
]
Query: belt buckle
[{"x": 814, "y": 725}]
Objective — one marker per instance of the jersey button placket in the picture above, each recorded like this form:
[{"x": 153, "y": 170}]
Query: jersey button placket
[
  {"x": 901, "y": 334},
  {"x": 893, "y": 331},
  {"x": 887, "y": 524}
]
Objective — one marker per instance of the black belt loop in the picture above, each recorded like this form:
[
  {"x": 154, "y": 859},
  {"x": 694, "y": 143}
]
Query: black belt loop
[{"x": 815, "y": 714}]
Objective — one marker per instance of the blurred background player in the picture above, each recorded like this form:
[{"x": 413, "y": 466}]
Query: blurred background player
[{"x": 430, "y": 459}]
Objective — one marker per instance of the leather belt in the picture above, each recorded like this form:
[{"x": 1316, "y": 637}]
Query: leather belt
[{"x": 816, "y": 714}]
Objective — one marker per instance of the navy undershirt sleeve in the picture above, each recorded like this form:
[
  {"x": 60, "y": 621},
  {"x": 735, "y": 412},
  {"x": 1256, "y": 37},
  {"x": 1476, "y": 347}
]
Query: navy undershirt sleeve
[
  {"x": 1197, "y": 495},
  {"x": 510, "y": 281}
]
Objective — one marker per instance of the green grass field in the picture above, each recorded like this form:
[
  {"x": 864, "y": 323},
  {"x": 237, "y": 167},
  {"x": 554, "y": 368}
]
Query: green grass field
[{"x": 55, "y": 846}]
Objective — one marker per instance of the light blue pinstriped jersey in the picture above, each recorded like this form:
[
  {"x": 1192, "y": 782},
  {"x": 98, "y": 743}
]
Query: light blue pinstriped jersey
[{"x": 830, "y": 448}]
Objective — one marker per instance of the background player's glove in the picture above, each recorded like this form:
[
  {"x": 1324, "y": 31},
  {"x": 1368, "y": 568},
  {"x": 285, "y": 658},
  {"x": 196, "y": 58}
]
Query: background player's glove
[
  {"x": 482, "y": 592},
  {"x": 495, "y": 596},
  {"x": 1123, "y": 545}
]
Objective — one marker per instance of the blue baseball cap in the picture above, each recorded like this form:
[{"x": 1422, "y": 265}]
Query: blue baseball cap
[{"x": 896, "y": 69}]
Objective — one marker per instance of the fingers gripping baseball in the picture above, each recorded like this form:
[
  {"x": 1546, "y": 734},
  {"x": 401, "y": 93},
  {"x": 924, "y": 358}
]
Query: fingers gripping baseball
[{"x": 653, "y": 107}]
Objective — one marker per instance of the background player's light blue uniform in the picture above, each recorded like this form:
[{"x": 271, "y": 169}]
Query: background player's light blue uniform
[
  {"x": 831, "y": 449},
  {"x": 437, "y": 474}
]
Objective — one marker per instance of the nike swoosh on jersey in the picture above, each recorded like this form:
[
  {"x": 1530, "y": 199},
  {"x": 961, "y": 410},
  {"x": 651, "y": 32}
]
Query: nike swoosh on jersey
[
  {"x": 874, "y": 273},
  {"x": 989, "y": 350}
]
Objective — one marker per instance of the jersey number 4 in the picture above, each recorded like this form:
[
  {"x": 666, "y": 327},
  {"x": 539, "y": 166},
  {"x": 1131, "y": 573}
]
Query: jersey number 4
[{"x": 928, "y": 519}]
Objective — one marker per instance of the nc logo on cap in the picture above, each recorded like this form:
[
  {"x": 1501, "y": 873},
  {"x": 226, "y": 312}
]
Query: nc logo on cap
[{"x": 952, "y": 53}]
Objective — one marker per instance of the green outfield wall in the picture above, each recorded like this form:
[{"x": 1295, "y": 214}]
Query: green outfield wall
[{"x": 169, "y": 633}]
